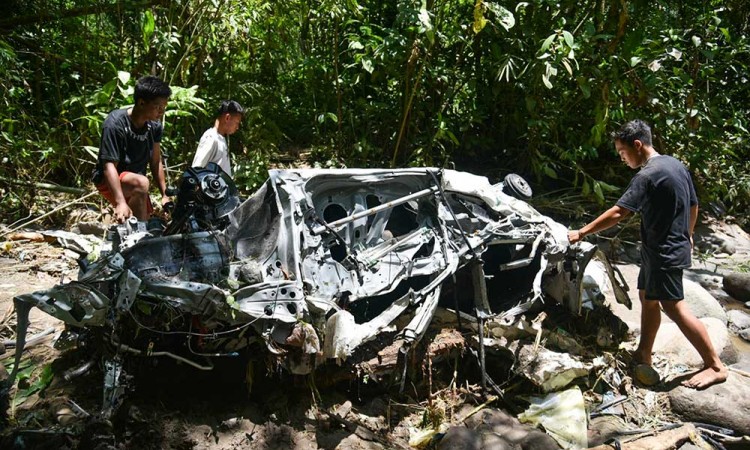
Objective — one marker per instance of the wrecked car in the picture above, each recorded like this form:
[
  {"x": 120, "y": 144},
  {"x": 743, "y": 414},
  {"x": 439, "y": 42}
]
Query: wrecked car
[{"x": 314, "y": 264}]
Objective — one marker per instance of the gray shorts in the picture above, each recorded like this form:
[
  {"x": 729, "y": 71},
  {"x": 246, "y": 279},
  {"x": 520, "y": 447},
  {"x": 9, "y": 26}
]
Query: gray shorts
[{"x": 661, "y": 284}]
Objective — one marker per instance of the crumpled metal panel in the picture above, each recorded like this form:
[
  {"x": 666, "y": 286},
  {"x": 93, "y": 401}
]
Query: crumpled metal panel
[
  {"x": 335, "y": 256},
  {"x": 74, "y": 303}
]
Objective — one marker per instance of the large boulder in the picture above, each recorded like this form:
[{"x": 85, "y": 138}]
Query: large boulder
[
  {"x": 493, "y": 428},
  {"x": 701, "y": 302},
  {"x": 738, "y": 285},
  {"x": 738, "y": 320},
  {"x": 726, "y": 404},
  {"x": 672, "y": 344}
]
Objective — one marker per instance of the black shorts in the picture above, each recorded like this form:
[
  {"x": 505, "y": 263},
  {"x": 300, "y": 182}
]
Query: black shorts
[{"x": 661, "y": 284}]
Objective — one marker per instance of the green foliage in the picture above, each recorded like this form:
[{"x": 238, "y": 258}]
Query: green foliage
[{"x": 531, "y": 87}]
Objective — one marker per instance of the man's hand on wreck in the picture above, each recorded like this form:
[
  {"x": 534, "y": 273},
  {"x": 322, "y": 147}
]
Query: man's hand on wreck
[
  {"x": 575, "y": 236},
  {"x": 122, "y": 212}
]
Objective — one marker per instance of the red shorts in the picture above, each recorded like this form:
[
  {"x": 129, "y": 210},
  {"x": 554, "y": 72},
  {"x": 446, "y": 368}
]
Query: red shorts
[{"x": 106, "y": 193}]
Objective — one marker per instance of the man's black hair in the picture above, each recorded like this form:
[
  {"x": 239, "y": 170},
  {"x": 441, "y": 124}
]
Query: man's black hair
[
  {"x": 229, "y": 106},
  {"x": 635, "y": 129},
  {"x": 149, "y": 88}
]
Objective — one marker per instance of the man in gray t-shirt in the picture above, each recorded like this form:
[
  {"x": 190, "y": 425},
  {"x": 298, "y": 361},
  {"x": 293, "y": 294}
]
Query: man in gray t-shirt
[{"x": 663, "y": 193}]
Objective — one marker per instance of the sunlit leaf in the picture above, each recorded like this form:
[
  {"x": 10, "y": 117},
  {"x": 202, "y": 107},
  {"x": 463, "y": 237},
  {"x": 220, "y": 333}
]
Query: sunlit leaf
[
  {"x": 546, "y": 81},
  {"x": 367, "y": 64},
  {"x": 148, "y": 25},
  {"x": 598, "y": 192},
  {"x": 123, "y": 76},
  {"x": 504, "y": 17},
  {"x": 479, "y": 21},
  {"x": 567, "y": 67},
  {"x": 568, "y": 38},
  {"x": 547, "y": 42}
]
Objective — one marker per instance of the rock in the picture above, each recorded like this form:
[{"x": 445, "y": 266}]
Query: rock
[
  {"x": 738, "y": 320},
  {"x": 709, "y": 280},
  {"x": 603, "y": 428},
  {"x": 65, "y": 416},
  {"x": 725, "y": 404},
  {"x": 745, "y": 334},
  {"x": 674, "y": 345},
  {"x": 738, "y": 285},
  {"x": 461, "y": 438},
  {"x": 690, "y": 446},
  {"x": 510, "y": 429},
  {"x": 353, "y": 441},
  {"x": 701, "y": 302}
]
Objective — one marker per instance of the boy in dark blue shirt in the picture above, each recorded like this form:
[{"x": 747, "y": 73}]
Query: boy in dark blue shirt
[{"x": 663, "y": 193}]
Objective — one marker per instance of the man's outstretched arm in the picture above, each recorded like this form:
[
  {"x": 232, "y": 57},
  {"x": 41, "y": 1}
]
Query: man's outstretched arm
[{"x": 607, "y": 219}]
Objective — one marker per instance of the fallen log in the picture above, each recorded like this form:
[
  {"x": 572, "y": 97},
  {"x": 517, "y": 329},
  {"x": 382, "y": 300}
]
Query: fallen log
[
  {"x": 44, "y": 186},
  {"x": 658, "y": 440}
]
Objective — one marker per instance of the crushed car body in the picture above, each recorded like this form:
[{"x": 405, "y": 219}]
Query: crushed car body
[{"x": 316, "y": 263}]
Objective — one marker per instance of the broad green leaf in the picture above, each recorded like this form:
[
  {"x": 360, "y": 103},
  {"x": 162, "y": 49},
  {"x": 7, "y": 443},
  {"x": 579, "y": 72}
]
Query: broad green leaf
[
  {"x": 696, "y": 41},
  {"x": 123, "y": 76},
  {"x": 547, "y": 42},
  {"x": 504, "y": 17},
  {"x": 608, "y": 187},
  {"x": 567, "y": 67},
  {"x": 586, "y": 188},
  {"x": 147, "y": 25},
  {"x": 634, "y": 60},
  {"x": 367, "y": 64},
  {"x": 598, "y": 192},
  {"x": 479, "y": 21},
  {"x": 568, "y": 38},
  {"x": 426, "y": 22},
  {"x": 546, "y": 81},
  {"x": 585, "y": 87},
  {"x": 550, "y": 172}
]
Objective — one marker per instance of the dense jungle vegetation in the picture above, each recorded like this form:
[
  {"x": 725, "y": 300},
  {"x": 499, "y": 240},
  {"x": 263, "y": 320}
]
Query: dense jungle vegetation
[{"x": 532, "y": 87}]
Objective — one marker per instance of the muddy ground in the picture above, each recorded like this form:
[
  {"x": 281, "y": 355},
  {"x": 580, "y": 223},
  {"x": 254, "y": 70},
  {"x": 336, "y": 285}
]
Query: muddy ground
[{"x": 170, "y": 405}]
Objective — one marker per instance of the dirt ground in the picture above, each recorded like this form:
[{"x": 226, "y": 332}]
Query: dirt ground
[{"x": 175, "y": 406}]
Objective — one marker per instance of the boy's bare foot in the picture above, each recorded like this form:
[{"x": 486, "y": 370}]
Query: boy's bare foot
[{"x": 706, "y": 377}]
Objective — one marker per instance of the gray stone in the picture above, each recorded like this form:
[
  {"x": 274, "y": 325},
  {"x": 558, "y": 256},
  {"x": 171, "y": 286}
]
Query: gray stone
[
  {"x": 492, "y": 423},
  {"x": 674, "y": 345},
  {"x": 738, "y": 320},
  {"x": 604, "y": 428},
  {"x": 738, "y": 285},
  {"x": 689, "y": 446},
  {"x": 745, "y": 334},
  {"x": 461, "y": 438},
  {"x": 354, "y": 441},
  {"x": 726, "y": 404},
  {"x": 709, "y": 280},
  {"x": 701, "y": 302}
]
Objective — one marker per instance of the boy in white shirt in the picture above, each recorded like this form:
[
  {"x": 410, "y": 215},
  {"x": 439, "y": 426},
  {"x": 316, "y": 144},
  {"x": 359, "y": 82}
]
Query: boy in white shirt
[{"x": 213, "y": 144}]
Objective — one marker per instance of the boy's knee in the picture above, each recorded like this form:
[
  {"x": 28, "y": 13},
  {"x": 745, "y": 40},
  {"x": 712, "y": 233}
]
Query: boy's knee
[{"x": 138, "y": 184}]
